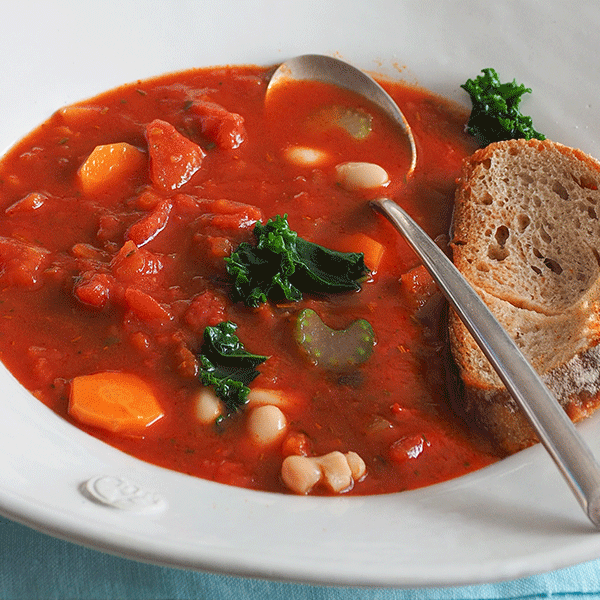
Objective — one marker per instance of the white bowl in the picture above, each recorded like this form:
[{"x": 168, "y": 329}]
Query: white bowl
[{"x": 512, "y": 519}]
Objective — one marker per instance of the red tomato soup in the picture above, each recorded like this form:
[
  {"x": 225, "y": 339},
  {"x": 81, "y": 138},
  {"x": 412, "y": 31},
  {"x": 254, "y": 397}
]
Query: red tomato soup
[{"x": 118, "y": 215}]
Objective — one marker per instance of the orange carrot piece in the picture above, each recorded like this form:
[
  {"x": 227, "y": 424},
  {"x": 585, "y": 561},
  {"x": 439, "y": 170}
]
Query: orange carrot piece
[
  {"x": 109, "y": 165},
  {"x": 118, "y": 402},
  {"x": 372, "y": 249}
]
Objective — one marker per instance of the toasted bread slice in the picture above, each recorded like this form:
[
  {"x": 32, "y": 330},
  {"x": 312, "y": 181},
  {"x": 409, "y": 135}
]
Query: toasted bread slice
[{"x": 526, "y": 234}]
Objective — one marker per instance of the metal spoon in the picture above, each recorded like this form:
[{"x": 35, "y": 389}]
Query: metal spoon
[
  {"x": 553, "y": 427},
  {"x": 316, "y": 67}
]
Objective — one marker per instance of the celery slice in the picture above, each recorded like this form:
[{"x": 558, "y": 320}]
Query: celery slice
[
  {"x": 356, "y": 121},
  {"x": 330, "y": 348}
]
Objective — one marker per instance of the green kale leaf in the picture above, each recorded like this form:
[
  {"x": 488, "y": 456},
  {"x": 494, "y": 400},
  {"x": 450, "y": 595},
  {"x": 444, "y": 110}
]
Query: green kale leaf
[
  {"x": 227, "y": 366},
  {"x": 495, "y": 115},
  {"x": 282, "y": 266}
]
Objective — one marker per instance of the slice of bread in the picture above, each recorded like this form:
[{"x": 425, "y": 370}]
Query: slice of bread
[{"x": 526, "y": 234}]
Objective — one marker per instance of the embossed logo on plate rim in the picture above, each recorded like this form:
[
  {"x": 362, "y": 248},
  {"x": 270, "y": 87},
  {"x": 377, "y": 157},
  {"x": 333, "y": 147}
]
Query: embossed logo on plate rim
[{"x": 118, "y": 492}]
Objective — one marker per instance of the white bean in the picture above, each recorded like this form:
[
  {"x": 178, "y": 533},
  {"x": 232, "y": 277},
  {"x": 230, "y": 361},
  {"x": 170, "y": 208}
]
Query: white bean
[
  {"x": 208, "y": 407},
  {"x": 266, "y": 424},
  {"x": 356, "y": 464},
  {"x": 336, "y": 470},
  {"x": 360, "y": 175},
  {"x": 304, "y": 156},
  {"x": 300, "y": 473}
]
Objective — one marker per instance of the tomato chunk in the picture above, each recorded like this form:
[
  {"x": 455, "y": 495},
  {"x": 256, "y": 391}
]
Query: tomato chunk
[
  {"x": 408, "y": 448},
  {"x": 207, "y": 308},
  {"x": 21, "y": 264},
  {"x": 29, "y": 203},
  {"x": 93, "y": 289},
  {"x": 149, "y": 226},
  {"x": 219, "y": 125},
  {"x": 173, "y": 157},
  {"x": 228, "y": 215},
  {"x": 146, "y": 308},
  {"x": 418, "y": 286},
  {"x": 133, "y": 264}
]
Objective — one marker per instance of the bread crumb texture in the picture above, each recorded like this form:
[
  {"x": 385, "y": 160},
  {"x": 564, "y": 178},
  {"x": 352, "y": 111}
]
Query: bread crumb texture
[
  {"x": 526, "y": 234},
  {"x": 526, "y": 224}
]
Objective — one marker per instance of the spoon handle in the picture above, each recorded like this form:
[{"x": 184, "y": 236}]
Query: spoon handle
[{"x": 552, "y": 425}]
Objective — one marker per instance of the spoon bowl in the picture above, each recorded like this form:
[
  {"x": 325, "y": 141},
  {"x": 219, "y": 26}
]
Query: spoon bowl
[{"x": 316, "y": 67}]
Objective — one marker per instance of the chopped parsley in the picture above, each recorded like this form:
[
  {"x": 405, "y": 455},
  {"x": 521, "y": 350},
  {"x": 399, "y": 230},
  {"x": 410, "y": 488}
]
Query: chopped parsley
[
  {"x": 282, "y": 266},
  {"x": 495, "y": 115},
  {"x": 227, "y": 366}
]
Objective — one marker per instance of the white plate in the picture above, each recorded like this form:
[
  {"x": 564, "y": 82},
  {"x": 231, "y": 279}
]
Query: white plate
[{"x": 513, "y": 519}]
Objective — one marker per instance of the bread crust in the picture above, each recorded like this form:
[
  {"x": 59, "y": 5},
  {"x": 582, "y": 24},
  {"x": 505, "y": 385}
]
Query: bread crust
[{"x": 526, "y": 234}]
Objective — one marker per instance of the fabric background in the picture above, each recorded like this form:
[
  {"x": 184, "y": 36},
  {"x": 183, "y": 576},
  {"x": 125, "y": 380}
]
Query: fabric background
[{"x": 34, "y": 566}]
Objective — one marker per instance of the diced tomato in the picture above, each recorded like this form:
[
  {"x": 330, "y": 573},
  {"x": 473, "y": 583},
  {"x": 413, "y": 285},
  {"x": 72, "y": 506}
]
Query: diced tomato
[
  {"x": 133, "y": 264},
  {"x": 88, "y": 252},
  {"x": 219, "y": 125},
  {"x": 207, "y": 308},
  {"x": 44, "y": 363},
  {"x": 27, "y": 204},
  {"x": 147, "y": 200},
  {"x": 21, "y": 264},
  {"x": 93, "y": 289},
  {"x": 407, "y": 448},
  {"x": 186, "y": 204},
  {"x": 149, "y": 226},
  {"x": 228, "y": 207},
  {"x": 75, "y": 115},
  {"x": 146, "y": 308},
  {"x": 418, "y": 286},
  {"x": 222, "y": 213},
  {"x": 173, "y": 157},
  {"x": 396, "y": 408},
  {"x": 187, "y": 363},
  {"x": 210, "y": 251},
  {"x": 227, "y": 215},
  {"x": 233, "y": 473},
  {"x": 140, "y": 341},
  {"x": 296, "y": 444},
  {"x": 219, "y": 246},
  {"x": 110, "y": 228}
]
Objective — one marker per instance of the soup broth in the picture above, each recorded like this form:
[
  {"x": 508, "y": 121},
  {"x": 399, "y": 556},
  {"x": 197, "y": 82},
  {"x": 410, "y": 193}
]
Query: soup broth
[{"x": 118, "y": 214}]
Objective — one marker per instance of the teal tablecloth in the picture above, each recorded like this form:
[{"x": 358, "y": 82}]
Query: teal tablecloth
[{"x": 34, "y": 566}]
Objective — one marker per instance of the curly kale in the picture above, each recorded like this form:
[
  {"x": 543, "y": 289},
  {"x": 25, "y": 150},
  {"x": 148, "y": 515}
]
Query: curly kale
[
  {"x": 227, "y": 366},
  {"x": 495, "y": 115},
  {"x": 282, "y": 266}
]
